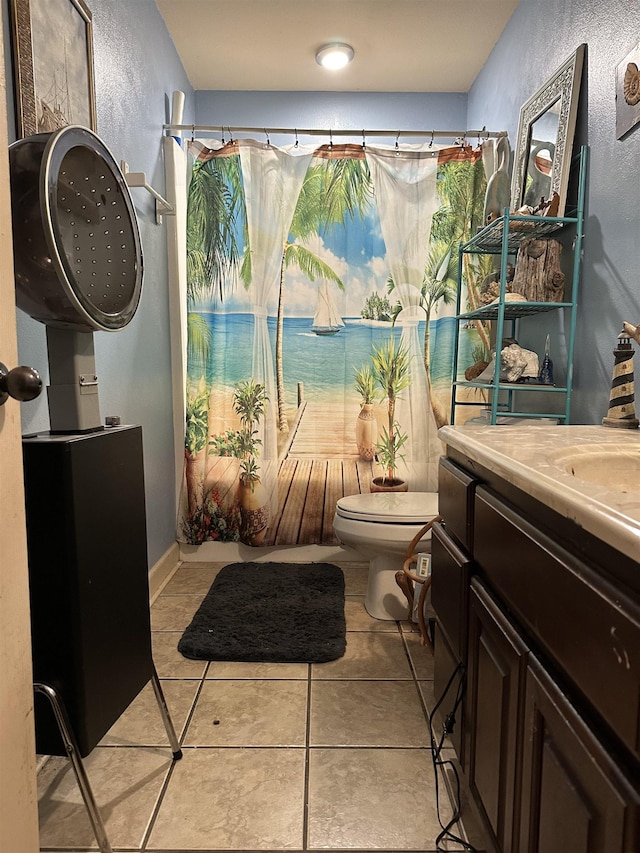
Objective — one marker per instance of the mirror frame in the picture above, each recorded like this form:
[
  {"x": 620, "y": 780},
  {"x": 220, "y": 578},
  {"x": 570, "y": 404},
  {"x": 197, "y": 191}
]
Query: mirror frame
[{"x": 565, "y": 86}]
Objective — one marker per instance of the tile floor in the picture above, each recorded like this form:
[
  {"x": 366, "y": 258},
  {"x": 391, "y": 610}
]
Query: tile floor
[{"x": 277, "y": 757}]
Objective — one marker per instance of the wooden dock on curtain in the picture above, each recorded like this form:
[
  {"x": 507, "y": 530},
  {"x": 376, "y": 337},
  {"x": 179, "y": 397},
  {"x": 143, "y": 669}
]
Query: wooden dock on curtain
[{"x": 319, "y": 465}]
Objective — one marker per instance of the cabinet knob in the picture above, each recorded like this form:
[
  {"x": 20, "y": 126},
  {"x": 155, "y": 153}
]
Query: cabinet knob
[{"x": 21, "y": 383}]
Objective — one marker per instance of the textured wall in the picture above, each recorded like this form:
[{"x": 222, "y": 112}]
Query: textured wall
[
  {"x": 136, "y": 70},
  {"x": 333, "y": 110},
  {"x": 539, "y": 37}
]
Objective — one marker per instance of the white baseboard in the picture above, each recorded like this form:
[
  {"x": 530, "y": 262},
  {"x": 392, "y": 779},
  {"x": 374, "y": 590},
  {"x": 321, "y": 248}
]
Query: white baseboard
[
  {"x": 217, "y": 552},
  {"x": 162, "y": 572}
]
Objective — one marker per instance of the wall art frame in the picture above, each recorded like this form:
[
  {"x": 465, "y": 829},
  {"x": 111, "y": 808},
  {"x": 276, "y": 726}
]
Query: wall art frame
[
  {"x": 561, "y": 93},
  {"x": 53, "y": 65},
  {"x": 628, "y": 92}
]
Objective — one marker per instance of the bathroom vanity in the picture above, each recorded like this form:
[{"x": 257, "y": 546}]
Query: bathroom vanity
[{"x": 536, "y": 588}]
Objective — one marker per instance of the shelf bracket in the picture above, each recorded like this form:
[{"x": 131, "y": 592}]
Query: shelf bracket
[{"x": 139, "y": 179}]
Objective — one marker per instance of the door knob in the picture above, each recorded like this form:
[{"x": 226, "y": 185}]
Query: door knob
[{"x": 21, "y": 383}]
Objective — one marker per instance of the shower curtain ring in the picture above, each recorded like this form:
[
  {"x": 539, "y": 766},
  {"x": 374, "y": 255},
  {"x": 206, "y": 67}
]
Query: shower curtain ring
[
  {"x": 295, "y": 130},
  {"x": 268, "y": 143},
  {"x": 364, "y": 144},
  {"x": 397, "y": 146},
  {"x": 432, "y": 135},
  {"x": 230, "y": 134},
  {"x": 222, "y": 135},
  {"x": 330, "y": 140},
  {"x": 193, "y": 132}
]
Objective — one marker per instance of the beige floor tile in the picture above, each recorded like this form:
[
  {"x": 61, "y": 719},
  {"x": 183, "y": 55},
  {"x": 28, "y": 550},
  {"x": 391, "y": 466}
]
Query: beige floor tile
[
  {"x": 142, "y": 725},
  {"x": 372, "y": 799},
  {"x": 126, "y": 784},
  {"x": 191, "y": 581},
  {"x": 356, "y": 576},
  {"x": 233, "y": 799},
  {"x": 368, "y": 655},
  {"x": 367, "y": 713},
  {"x": 206, "y": 564},
  {"x": 174, "y": 612},
  {"x": 168, "y": 660},
  {"x": 249, "y": 713},
  {"x": 359, "y": 620},
  {"x": 421, "y": 656},
  {"x": 237, "y": 669}
]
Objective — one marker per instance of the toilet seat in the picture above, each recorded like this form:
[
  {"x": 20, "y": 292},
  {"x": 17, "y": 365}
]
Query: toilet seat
[{"x": 389, "y": 507}]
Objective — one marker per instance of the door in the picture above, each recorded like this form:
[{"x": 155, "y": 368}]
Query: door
[
  {"x": 575, "y": 798},
  {"x": 18, "y": 800},
  {"x": 497, "y": 660}
]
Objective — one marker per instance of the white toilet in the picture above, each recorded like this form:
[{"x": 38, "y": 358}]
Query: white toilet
[{"x": 381, "y": 526}]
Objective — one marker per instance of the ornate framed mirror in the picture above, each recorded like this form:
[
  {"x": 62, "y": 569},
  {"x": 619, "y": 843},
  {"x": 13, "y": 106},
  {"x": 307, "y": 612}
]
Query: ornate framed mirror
[{"x": 545, "y": 138}]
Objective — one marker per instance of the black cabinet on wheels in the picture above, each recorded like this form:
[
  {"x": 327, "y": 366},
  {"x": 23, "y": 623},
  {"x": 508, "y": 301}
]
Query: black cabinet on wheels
[{"x": 88, "y": 577}]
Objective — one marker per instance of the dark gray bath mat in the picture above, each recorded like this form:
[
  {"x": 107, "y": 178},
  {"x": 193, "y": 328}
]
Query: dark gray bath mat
[{"x": 270, "y": 612}]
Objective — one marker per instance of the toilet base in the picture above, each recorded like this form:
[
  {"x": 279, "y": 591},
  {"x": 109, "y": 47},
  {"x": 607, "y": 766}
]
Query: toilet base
[{"x": 384, "y": 599}]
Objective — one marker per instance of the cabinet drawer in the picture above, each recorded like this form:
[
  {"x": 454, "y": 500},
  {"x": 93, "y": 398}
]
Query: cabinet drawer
[
  {"x": 572, "y": 614},
  {"x": 455, "y": 501},
  {"x": 450, "y": 569}
]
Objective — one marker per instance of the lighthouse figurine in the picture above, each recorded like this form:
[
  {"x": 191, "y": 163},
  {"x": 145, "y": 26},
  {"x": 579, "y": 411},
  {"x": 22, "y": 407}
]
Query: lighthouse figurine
[{"x": 622, "y": 412}]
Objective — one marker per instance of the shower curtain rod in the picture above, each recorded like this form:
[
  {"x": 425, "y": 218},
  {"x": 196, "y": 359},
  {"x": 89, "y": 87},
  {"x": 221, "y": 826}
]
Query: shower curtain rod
[{"x": 449, "y": 134}]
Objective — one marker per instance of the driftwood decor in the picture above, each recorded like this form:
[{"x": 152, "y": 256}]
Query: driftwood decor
[{"x": 538, "y": 276}]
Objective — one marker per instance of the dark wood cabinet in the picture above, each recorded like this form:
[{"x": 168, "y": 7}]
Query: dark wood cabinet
[
  {"x": 551, "y": 725},
  {"x": 451, "y": 569},
  {"x": 497, "y": 664},
  {"x": 574, "y": 797}
]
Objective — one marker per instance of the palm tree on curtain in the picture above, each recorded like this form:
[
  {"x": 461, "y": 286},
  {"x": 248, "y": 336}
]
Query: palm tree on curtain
[
  {"x": 439, "y": 284},
  {"x": 331, "y": 191},
  {"x": 215, "y": 218},
  {"x": 461, "y": 186}
]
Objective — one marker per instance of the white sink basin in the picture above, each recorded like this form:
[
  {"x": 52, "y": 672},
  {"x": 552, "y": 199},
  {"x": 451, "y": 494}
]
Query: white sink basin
[{"x": 614, "y": 466}]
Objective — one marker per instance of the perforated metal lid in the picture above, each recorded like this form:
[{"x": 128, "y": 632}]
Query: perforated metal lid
[
  {"x": 390, "y": 507},
  {"x": 78, "y": 254}
]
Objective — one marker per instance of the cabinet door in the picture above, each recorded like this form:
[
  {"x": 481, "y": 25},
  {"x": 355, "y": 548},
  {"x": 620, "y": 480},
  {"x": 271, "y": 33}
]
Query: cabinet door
[
  {"x": 497, "y": 664},
  {"x": 574, "y": 798}
]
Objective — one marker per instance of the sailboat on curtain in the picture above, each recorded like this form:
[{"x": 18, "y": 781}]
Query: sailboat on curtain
[{"x": 326, "y": 320}]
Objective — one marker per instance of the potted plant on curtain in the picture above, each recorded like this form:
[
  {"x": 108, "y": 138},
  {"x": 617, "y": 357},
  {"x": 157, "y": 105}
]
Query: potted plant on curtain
[
  {"x": 366, "y": 424},
  {"x": 249, "y": 402},
  {"x": 390, "y": 368},
  {"x": 195, "y": 443}
]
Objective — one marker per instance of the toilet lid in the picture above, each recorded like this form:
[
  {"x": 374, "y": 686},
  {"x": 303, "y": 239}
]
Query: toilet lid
[{"x": 390, "y": 507}]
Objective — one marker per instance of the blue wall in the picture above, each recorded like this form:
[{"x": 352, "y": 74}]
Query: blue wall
[
  {"x": 539, "y": 37},
  {"x": 334, "y": 111}
]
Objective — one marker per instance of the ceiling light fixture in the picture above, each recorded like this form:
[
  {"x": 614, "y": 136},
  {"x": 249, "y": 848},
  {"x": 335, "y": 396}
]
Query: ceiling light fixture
[{"x": 334, "y": 56}]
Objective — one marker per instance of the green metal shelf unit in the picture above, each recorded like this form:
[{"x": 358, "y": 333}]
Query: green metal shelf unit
[{"x": 503, "y": 237}]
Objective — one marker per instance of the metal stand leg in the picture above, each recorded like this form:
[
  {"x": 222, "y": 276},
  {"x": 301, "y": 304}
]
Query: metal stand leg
[
  {"x": 73, "y": 752},
  {"x": 166, "y": 719}
]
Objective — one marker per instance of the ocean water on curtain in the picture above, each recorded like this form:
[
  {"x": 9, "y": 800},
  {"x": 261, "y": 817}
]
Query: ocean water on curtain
[{"x": 324, "y": 364}]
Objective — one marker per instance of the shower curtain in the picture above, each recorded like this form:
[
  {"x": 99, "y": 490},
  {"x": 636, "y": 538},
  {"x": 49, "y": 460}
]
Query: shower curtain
[{"x": 306, "y": 268}]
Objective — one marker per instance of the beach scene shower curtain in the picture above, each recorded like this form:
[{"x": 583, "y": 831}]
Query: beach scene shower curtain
[{"x": 321, "y": 291}]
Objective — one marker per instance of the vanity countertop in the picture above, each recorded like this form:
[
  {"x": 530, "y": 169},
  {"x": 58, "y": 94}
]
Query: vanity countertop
[{"x": 533, "y": 458}]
